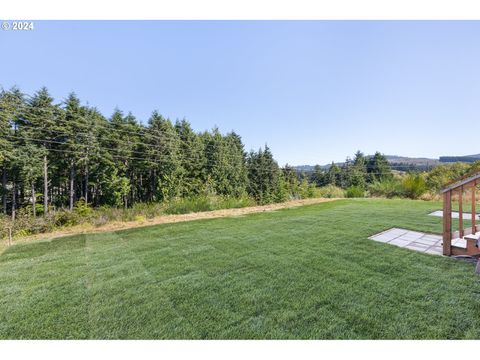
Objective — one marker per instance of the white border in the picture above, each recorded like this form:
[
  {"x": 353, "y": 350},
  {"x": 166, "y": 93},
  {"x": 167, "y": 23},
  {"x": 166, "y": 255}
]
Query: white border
[
  {"x": 239, "y": 9},
  {"x": 233, "y": 350}
]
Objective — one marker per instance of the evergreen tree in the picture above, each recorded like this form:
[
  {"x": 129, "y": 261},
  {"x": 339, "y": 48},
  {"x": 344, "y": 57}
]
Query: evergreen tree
[
  {"x": 74, "y": 141},
  {"x": 333, "y": 175},
  {"x": 74, "y": 153},
  {"x": 11, "y": 104},
  {"x": 41, "y": 122},
  {"x": 378, "y": 168},
  {"x": 123, "y": 139},
  {"x": 318, "y": 176},
  {"x": 219, "y": 168},
  {"x": 263, "y": 174},
  {"x": 194, "y": 159},
  {"x": 165, "y": 154},
  {"x": 291, "y": 179},
  {"x": 359, "y": 170},
  {"x": 236, "y": 172}
]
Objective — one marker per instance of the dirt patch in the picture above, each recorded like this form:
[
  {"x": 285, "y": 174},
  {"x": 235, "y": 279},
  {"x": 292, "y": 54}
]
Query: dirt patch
[{"x": 167, "y": 219}]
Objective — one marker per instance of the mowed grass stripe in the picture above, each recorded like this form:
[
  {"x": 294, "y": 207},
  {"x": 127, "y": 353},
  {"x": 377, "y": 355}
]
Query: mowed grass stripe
[{"x": 307, "y": 272}]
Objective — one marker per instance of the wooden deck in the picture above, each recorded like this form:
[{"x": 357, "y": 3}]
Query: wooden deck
[{"x": 463, "y": 241}]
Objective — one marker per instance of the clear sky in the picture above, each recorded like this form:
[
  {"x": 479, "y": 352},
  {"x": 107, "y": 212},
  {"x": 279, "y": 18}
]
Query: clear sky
[{"x": 314, "y": 91}]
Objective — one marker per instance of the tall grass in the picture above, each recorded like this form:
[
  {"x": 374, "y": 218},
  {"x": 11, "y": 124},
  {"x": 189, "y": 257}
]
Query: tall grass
[
  {"x": 25, "y": 224},
  {"x": 330, "y": 191},
  {"x": 205, "y": 203}
]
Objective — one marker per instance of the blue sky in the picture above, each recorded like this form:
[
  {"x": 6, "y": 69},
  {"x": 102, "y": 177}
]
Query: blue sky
[{"x": 315, "y": 91}]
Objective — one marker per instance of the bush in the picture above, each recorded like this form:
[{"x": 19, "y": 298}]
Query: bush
[
  {"x": 414, "y": 186},
  {"x": 387, "y": 188},
  {"x": 330, "y": 191},
  {"x": 66, "y": 218},
  {"x": 355, "y": 192},
  {"x": 442, "y": 175},
  {"x": 306, "y": 190},
  {"x": 82, "y": 209}
]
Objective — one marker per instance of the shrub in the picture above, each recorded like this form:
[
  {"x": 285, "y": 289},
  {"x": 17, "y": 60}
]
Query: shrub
[
  {"x": 331, "y": 191},
  {"x": 414, "y": 186},
  {"x": 355, "y": 192},
  {"x": 66, "y": 218},
  {"x": 140, "y": 218},
  {"x": 387, "y": 188},
  {"x": 82, "y": 209},
  {"x": 442, "y": 175},
  {"x": 306, "y": 190}
]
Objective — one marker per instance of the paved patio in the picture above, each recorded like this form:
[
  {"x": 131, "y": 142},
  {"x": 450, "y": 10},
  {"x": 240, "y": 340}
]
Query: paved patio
[
  {"x": 413, "y": 240},
  {"x": 455, "y": 215}
]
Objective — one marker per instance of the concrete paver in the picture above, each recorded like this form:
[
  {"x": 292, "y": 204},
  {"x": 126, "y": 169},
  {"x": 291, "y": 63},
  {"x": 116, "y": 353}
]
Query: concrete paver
[{"x": 413, "y": 240}]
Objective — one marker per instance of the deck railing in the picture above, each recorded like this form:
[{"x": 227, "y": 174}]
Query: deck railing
[{"x": 459, "y": 188}]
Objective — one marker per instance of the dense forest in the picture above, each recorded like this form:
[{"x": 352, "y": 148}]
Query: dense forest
[{"x": 54, "y": 155}]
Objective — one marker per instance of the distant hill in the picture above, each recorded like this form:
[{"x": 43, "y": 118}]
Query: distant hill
[
  {"x": 465, "y": 158},
  {"x": 401, "y": 163},
  {"x": 408, "y": 160},
  {"x": 308, "y": 168},
  {"x": 404, "y": 163}
]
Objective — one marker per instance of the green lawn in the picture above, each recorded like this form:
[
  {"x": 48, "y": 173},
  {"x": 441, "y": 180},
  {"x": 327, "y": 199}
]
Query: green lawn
[{"x": 307, "y": 273}]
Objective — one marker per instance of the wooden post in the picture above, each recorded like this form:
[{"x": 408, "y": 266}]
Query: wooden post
[
  {"x": 9, "y": 236},
  {"x": 447, "y": 223},
  {"x": 474, "y": 199},
  {"x": 460, "y": 210}
]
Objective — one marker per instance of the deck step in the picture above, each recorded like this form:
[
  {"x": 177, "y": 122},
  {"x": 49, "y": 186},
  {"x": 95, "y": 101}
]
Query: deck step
[
  {"x": 460, "y": 243},
  {"x": 475, "y": 236}
]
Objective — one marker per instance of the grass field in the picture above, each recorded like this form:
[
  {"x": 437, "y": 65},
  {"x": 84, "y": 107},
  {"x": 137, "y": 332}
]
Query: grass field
[{"x": 306, "y": 273}]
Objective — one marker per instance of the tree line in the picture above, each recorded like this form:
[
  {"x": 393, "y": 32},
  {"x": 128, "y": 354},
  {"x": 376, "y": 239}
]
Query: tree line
[
  {"x": 53, "y": 155},
  {"x": 358, "y": 172}
]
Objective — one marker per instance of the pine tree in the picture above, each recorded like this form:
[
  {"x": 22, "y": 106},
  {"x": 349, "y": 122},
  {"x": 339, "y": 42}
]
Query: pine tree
[
  {"x": 318, "y": 176},
  {"x": 193, "y": 159},
  {"x": 123, "y": 139},
  {"x": 264, "y": 176},
  {"x": 292, "y": 181},
  {"x": 11, "y": 104},
  {"x": 333, "y": 176},
  {"x": 74, "y": 141},
  {"x": 378, "y": 168},
  {"x": 165, "y": 154},
  {"x": 359, "y": 171},
  {"x": 236, "y": 172},
  {"x": 217, "y": 161},
  {"x": 41, "y": 120}
]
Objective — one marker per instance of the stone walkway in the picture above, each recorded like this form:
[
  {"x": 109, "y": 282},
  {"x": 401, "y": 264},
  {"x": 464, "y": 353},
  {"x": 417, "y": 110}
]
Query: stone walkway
[
  {"x": 455, "y": 215},
  {"x": 413, "y": 240}
]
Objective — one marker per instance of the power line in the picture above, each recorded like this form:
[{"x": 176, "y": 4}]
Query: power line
[
  {"x": 154, "y": 157},
  {"x": 144, "y": 159},
  {"x": 178, "y": 146}
]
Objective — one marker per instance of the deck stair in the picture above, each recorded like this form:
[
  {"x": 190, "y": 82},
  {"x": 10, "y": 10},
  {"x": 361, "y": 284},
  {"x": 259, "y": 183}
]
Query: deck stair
[
  {"x": 464, "y": 240},
  {"x": 468, "y": 245}
]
